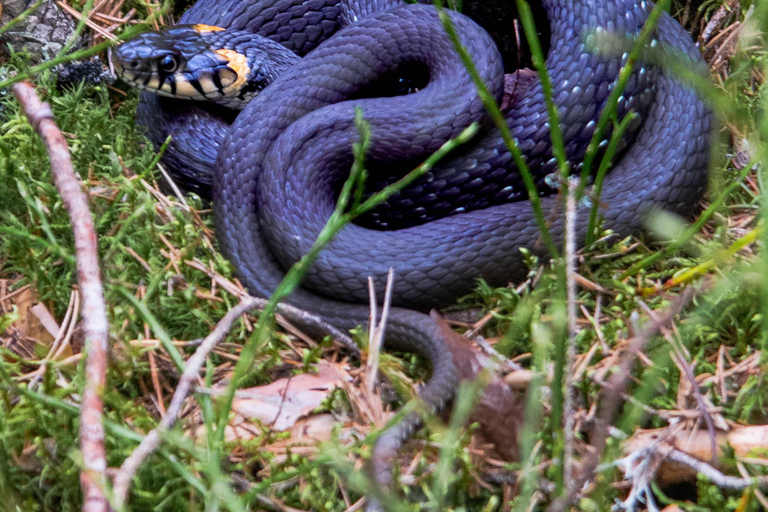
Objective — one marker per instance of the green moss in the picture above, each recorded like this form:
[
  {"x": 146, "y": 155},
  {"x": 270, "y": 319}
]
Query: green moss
[{"x": 144, "y": 244}]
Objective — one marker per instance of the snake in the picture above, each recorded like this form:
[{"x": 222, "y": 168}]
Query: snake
[{"x": 275, "y": 168}]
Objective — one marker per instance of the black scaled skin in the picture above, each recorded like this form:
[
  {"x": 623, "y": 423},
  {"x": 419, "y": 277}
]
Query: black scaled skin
[
  {"x": 284, "y": 156},
  {"x": 198, "y": 129},
  {"x": 286, "y": 153}
]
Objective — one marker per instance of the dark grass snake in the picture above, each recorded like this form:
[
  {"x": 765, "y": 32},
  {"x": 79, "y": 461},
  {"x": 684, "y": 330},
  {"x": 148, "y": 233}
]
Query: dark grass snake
[{"x": 279, "y": 166}]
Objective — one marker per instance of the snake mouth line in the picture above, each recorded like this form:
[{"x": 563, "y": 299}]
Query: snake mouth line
[
  {"x": 229, "y": 80},
  {"x": 202, "y": 63}
]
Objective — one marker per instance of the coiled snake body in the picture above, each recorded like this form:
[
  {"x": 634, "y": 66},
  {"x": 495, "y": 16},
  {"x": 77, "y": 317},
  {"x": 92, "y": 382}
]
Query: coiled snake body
[{"x": 280, "y": 164}]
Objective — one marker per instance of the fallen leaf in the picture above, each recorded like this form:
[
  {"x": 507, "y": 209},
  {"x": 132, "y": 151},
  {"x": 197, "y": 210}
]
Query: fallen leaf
[
  {"x": 45, "y": 318},
  {"x": 499, "y": 412},
  {"x": 281, "y": 403},
  {"x": 23, "y": 325},
  {"x": 745, "y": 441}
]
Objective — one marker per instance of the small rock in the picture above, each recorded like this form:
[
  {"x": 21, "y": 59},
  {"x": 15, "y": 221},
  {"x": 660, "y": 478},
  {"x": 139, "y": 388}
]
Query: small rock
[
  {"x": 91, "y": 72},
  {"x": 42, "y": 34}
]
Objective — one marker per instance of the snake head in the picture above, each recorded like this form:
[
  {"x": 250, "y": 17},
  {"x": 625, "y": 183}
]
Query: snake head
[{"x": 202, "y": 63}]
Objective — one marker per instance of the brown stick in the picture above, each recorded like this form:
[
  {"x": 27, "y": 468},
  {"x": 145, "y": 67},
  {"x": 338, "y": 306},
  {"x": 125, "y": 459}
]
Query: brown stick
[
  {"x": 152, "y": 440},
  {"x": 92, "y": 478},
  {"x": 191, "y": 371}
]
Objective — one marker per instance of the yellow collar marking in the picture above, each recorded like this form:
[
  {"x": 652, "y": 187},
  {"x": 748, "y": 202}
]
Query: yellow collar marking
[
  {"x": 238, "y": 63},
  {"x": 207, "y": 28}
]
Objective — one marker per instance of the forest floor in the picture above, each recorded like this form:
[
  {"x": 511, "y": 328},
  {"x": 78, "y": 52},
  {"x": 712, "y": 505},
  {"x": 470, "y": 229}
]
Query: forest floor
[{"x": 679, "y": 325}]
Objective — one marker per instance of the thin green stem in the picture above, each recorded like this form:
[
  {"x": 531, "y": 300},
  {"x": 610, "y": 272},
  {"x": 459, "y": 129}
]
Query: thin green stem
[
  {"x": 692, "y": 229},
  {"x": 498, "y": 119},
  {"x": 539, "y": 62},
  {"x": 610, "y": 109},
  {"x": 78, "y": 29},
  {"x": 533, "y": 195},
  {"x": 379, "y": 197},
  {"x": 560, "y": 325},
  {"x": 533, "y": 424},
  {"x": 21, "y": 17},
  {"x": 466, "y": 399},
  {"x": 157, "y": 156},
  {"x": 602, "y": 171}
]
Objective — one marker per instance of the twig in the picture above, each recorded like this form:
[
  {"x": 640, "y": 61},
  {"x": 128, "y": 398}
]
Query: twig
[
  {"x": 377, "y": 331},
  {"x": 611, "y": 396},
  {"x": 62, "y": 339},
  {"x": 87, "y": 21},
  {"x": 92, "y": 478},
  {"x": 639, "y": 468},
  {"x": 723, "y": 481},
  {"x": 714, "y": 21},
  {"x": 686, "y": 369},
  {"x": 125, "y": 474},
  {"x": 372, "y": 366},
  {"x": 288, "y": 312},
  {"x": 317, "y": 326},
  {"x": 191, "y": 370},
  {"x": 176, "y": 191},
  {"x": 570, "y": 354},
  {"x": 505, "y": 364}
]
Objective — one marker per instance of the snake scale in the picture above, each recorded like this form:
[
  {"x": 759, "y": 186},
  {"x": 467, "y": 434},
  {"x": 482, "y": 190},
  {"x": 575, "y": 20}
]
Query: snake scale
[{"x": 276, "y": 170}]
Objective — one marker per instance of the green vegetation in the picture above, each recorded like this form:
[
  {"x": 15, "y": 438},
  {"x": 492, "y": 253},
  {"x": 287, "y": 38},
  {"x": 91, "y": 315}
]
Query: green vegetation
[{"x": 163, "y": 289}]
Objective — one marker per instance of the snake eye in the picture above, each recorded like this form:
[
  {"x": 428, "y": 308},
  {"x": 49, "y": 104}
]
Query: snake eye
[{"x": 169, "y": 64}]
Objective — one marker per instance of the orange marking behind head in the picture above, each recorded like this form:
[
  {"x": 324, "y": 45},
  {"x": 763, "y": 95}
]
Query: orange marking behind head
[
  {"x": 238, "y": 63},
  {"x": 207, "y": 28}
]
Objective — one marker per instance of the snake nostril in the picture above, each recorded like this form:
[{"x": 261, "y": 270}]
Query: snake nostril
[{"x": 135, "y": 63}]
